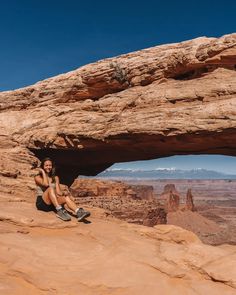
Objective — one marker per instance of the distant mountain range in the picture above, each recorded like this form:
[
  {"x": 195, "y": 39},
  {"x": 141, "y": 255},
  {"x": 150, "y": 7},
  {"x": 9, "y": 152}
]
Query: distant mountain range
[{"x": 164, "y": 173}]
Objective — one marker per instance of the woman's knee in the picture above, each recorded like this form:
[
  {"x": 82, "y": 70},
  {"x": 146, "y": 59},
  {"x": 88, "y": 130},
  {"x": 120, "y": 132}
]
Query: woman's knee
[
  {"x": 46, "y": 197},
  {"x": 69, "y": 199},
  {"x": 49, "y": 191},
  {"x": 61, "y": 200},
  {"x": 49, "y": 194}
]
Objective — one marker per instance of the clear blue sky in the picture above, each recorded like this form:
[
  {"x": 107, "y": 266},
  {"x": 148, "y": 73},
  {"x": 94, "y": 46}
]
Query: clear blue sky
[
  {"x": 210, "y": 162},
  {"x": 40, "y": 39}
]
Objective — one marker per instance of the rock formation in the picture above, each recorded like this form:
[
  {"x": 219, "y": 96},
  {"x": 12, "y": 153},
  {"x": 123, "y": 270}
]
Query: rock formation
[
  {"x": 172, "y": 202},
  {"x": 94, "y": 187},
  {"x": 182, "y": 212},
  {"x": 83, "y": 187},
  {"x": 207, "y": 230},
  {"x": 166, "y": 100},
  {"x": 135, "y": 204},
  {"x": 40, "y": 254},
  {"x": 169, "y": 188},
  {"x": 189, "y": 201}
]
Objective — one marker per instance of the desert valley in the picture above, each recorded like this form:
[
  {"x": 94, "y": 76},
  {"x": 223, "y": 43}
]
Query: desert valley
[{"x": 143, "y": 201}]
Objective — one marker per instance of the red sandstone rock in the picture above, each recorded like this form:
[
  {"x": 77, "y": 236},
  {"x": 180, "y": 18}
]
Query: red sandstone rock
[
  {"x": 83, "y": 187},
  {"x": 172, "y": 202},
  {"x": 189, "y": 201},
  {"x": 182, "y": 215},
  {"x": 170, "y": 99},
  {"x": 166, "y": 100},
  {"x": 170, "y": 188},
  {"x": 132, "y": 203},
  {"x": 207, "y": 230},
  {"x": 67, "y": 258},
  {"x": 172, "y": 199}
]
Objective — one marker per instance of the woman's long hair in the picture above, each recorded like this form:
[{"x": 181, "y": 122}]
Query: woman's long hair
[{"x": 53, "y": 171}]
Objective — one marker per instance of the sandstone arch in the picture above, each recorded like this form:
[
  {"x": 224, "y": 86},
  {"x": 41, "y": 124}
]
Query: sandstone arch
[{"x": 166, "y": 100}]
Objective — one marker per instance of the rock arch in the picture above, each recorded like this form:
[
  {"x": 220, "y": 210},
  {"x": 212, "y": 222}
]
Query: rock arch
[{"x": 167, "y": 100}]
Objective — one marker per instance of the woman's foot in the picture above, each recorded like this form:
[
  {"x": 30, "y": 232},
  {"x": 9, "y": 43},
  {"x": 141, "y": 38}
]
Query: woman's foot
[
  {"x": 82, "y": 214},
  {"x": 63, "y": 215}
]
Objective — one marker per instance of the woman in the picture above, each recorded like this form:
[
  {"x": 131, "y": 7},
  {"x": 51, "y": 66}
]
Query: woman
[{"x": 49, "y": 194}]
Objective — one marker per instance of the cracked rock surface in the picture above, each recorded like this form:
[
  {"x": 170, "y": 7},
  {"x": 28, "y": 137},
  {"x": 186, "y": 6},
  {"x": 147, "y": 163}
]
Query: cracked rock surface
[{"x": 40, "y": 254}]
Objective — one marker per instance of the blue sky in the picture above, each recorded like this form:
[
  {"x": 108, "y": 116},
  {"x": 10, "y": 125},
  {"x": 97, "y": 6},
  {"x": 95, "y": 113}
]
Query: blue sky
[
  {"x": 219, "y": 163},
  {"x": 40, "y": 39}
]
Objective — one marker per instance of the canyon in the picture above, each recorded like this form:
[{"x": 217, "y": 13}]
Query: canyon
[
  {"x": 205, "y": 207},
  {"x": 166, "y": 100}
]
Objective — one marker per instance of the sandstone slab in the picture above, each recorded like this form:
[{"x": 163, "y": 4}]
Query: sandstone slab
[{"x": 133, "y": 259}]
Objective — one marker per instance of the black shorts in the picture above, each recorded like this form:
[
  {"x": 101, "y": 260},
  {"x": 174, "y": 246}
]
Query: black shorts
[{"x": 41, "y": 205}]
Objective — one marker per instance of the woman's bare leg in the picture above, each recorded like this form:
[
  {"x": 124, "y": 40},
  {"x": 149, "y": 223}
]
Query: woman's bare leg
[
  {"x": 71, "y": 205},
  {"x": 68, "y": 194},
  {"x": 79, "y": 212},
  {"x": 49, "y": 197}
]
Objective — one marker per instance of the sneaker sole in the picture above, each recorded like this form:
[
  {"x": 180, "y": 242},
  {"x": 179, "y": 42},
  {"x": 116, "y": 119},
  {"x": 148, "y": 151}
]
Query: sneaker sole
[
  {"x": 62, "y": 218},
  {"x": 84, "y": 216}
]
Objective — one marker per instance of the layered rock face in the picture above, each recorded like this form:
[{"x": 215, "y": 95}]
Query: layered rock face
[
  {"x": 166, "y": 100},
  {"x": 174, "y": 201},
  {"x": 135, "y": 204},
  {"x": 189, "y": 201},
  {"x": 181, "y": 211},
  {"x": 84, "y": 187}
]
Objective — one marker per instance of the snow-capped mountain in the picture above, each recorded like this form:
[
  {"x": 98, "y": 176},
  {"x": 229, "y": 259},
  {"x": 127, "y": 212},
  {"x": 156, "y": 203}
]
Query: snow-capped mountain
[{"x": 165, "y": 173}]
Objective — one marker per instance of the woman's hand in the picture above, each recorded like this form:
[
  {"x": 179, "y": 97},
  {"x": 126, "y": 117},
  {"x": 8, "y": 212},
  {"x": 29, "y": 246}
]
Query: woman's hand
[
  {"x": 41, "y": 178},
  {"x": 40, "y": 170}
]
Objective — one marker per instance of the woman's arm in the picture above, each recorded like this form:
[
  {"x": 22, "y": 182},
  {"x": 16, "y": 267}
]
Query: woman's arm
[{"x": 42, "y": 180}]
